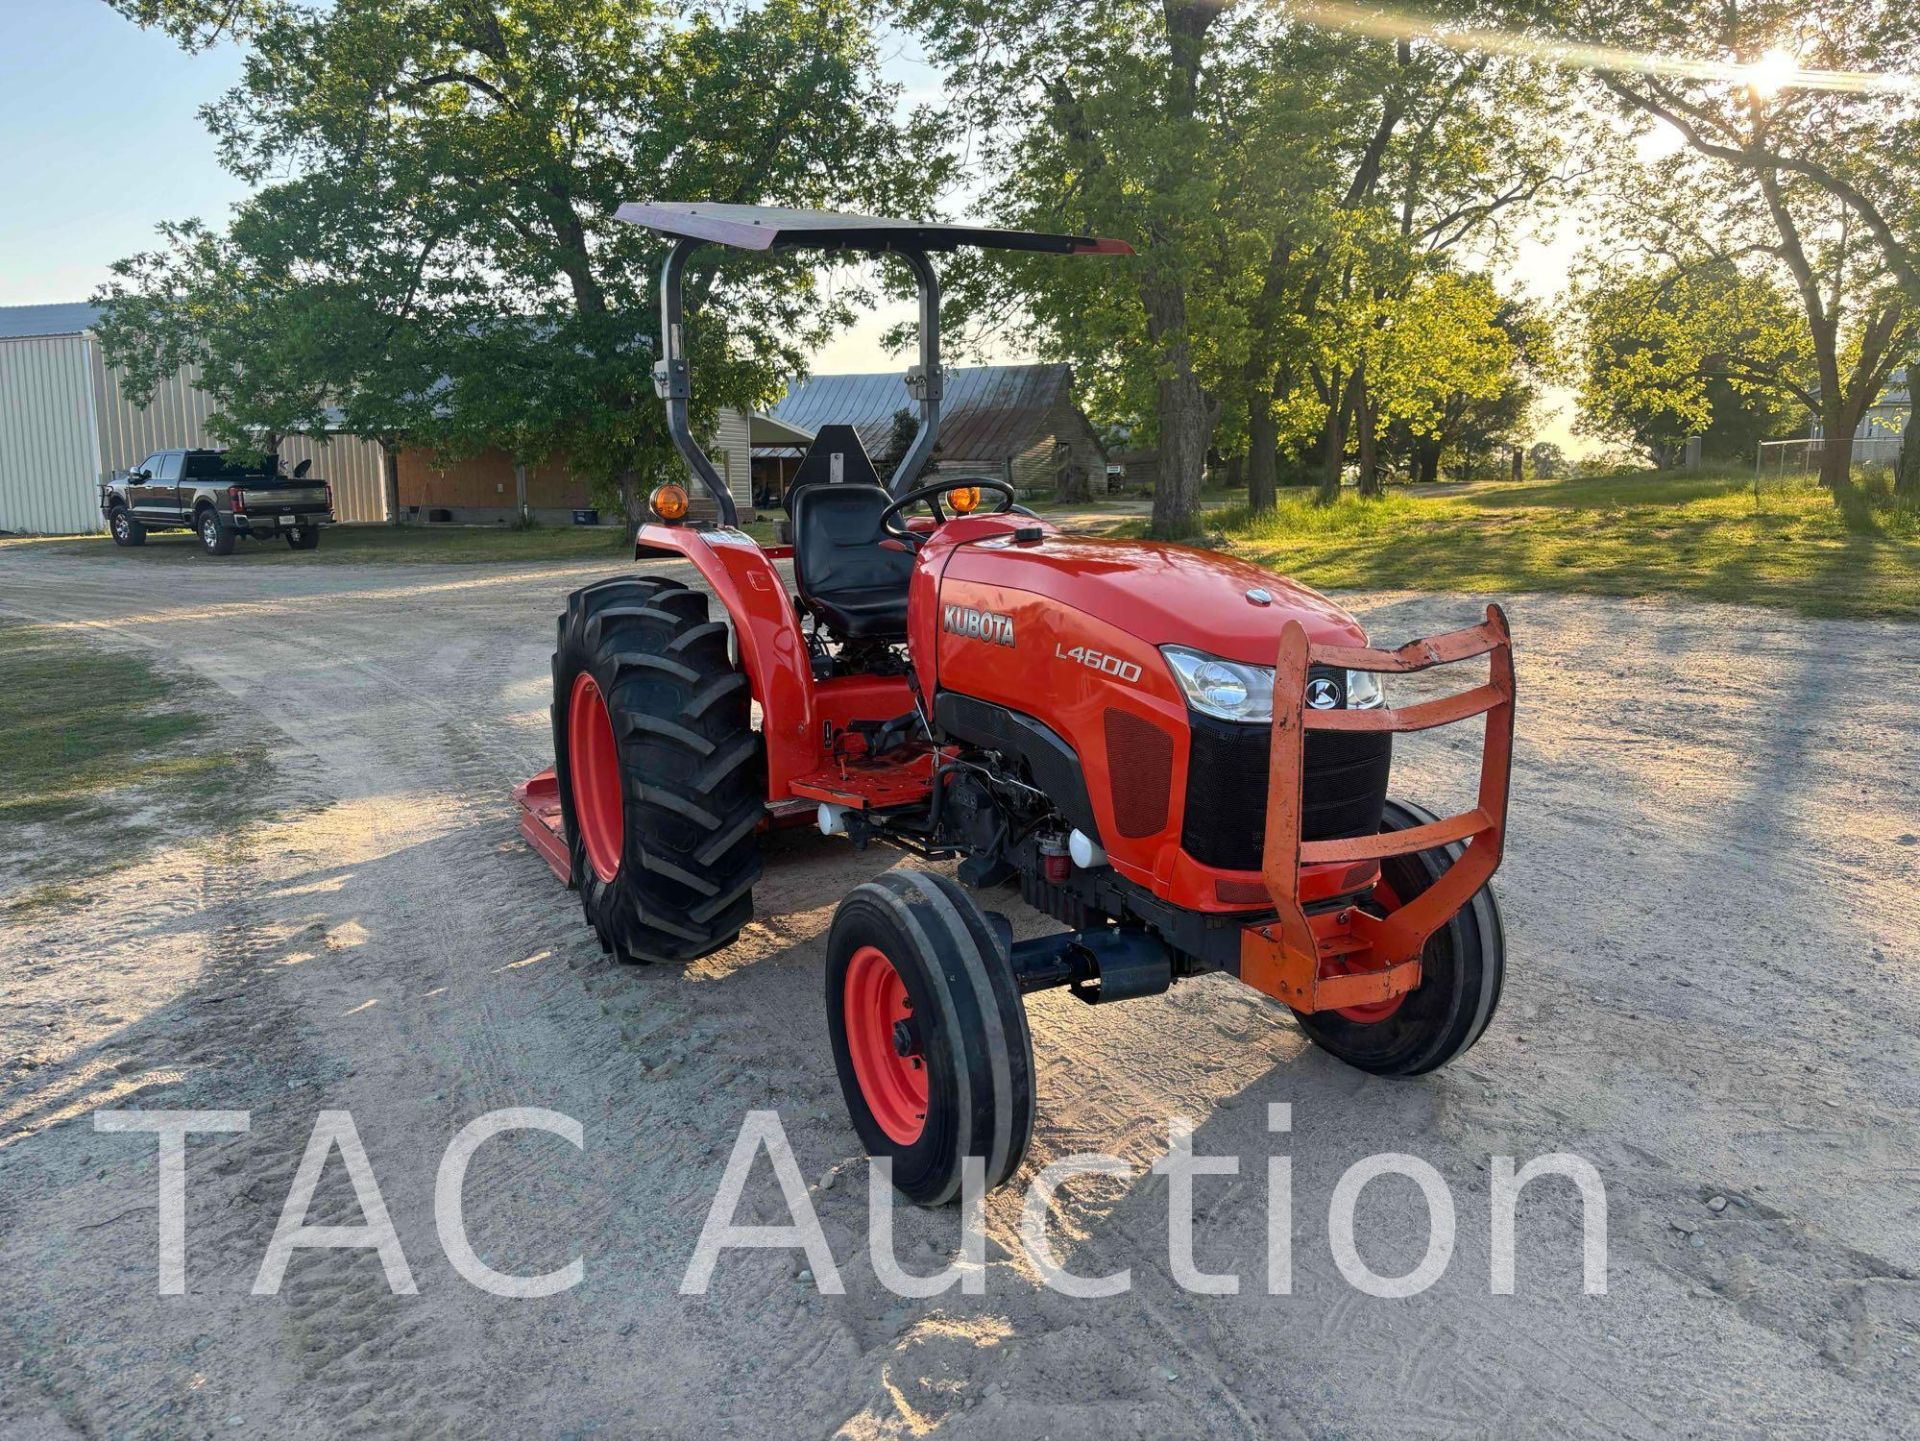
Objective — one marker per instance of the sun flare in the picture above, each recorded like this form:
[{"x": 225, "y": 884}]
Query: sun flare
[{"x": 1772, "y": 73}]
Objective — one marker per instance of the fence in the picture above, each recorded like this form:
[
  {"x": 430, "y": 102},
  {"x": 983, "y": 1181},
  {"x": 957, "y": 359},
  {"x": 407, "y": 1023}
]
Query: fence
[{"x": 1778, "y": 459}]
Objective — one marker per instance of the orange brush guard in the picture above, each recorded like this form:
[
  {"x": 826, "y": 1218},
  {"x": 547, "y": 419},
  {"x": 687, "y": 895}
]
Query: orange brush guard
[{"x": 1380, "y": 956}]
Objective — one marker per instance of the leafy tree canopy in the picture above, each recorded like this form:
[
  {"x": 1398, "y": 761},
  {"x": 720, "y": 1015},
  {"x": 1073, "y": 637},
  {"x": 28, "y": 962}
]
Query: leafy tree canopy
[
  {"x": 440, "y": 181},
  {"x": 1671, "y": 349},
  {"x": 1817, "y": 177},
  {"x": 1287, "y": 185}
]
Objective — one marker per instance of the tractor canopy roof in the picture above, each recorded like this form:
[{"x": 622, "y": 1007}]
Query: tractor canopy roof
[{"x": 772, "y": 227}]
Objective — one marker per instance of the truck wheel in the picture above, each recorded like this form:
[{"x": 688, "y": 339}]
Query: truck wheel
[
  {"x": 929, "y": 1034},
  {"x": 1461, "y": 972},
  {"x": 304, "y": 537},
  {"x": 661, "y": 780},
  {"x": 126, "y": 530},
  {"x": 215, "y": 538}
]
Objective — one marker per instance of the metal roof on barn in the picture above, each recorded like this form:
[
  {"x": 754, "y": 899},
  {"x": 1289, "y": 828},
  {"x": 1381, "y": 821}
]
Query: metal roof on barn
[
  {"x": 989, "y": 413},
  {"x": 19, "y": 322}
]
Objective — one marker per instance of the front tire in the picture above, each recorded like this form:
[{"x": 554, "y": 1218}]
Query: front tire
[
  {"x": 1461, "y": 973},
  {"x": 660, "y": 773},
  {"x": 929, "y": 1034},
  {"x": 216, "y": 537},
  {"x": 126, "y": 530}
]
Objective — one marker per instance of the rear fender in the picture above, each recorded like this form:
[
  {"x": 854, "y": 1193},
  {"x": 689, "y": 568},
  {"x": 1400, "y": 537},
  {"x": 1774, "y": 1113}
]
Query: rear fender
[{"x": 772, "y": 648}]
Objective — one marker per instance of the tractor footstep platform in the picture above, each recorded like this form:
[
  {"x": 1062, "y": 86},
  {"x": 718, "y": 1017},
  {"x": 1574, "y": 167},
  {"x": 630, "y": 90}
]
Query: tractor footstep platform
[{"x": 899, "y": 778}]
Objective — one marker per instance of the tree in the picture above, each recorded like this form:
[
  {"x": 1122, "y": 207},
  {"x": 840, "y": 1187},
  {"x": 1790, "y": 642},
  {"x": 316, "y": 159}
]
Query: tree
[
  {"x": 1381, "y": 158},
  {"x": 1425, "y": 151},
  {"x": 1443, "y": 349},
  {"x": 1281, "y": 181},
  {"x": 1692, "y": 342},
  {"x": 1113, "y": 117},
  {"x": 280, "y": 337},
  {"x": 1549, "y": 462},
  {"x": 1481, "y": 391},
  {"x": 196, "y": 24},
  {"x": 1822, "y": 176},
  {"x": 1326, "y": 114},
  {"x": 1465, "y": 141},
  {"x": 900, "y": 433},
  {"x": 262, "y": 342},
  {"x": 456, "y": 169}
]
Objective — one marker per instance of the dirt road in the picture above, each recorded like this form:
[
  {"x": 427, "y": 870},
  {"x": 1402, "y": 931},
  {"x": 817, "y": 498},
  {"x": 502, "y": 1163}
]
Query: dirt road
[{"x": 1715, "y": 996}]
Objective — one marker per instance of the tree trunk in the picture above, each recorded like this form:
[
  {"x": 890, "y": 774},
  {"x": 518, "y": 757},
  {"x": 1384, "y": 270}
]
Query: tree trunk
[
  {"x": 629, "y": 483},
  {"x": 1365, "y": 418},
  {"x": 1836, "y": 462},
  {"x": 1426, "y": 461},
  {"x": 1263, "y": 446},
  {"x": 1906, "y": 479},
  {"x": 390, "y": 479},
  {"x": 1837, "y": 420},
  {"x": 1182, "y": 407},
  {"x": 1333, "y": 438},
  {"x": 1184, "y": 413},
  {"x": 1519, "y": 465}
]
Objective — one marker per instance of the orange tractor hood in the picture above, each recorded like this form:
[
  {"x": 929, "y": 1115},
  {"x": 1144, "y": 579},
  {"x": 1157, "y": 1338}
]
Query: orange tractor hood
[{"x": 1164, "y": 594}]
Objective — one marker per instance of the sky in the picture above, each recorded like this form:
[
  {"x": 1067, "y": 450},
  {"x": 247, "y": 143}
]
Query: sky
[{"x": 100, "y": 139}]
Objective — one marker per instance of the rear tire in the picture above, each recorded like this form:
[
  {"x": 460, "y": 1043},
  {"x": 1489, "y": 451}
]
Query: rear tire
[
  {"x": 660, "y": 772},
  {"x": 216, "y": 538},
  {"x": 1462, "y": 970},
  {"x": 929, "y": 1034},
  {"x": 304, "y": 537},
  {"x": 126, "y": 530}
]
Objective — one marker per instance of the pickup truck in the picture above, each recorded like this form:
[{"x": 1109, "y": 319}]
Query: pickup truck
[{"x": 217, "y": 499}]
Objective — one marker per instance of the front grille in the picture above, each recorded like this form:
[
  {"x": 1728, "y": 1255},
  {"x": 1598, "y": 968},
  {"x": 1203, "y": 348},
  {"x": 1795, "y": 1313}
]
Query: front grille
[
  {"x": 1140, "y": 771},
  {"x": 1343, "y": 790}
]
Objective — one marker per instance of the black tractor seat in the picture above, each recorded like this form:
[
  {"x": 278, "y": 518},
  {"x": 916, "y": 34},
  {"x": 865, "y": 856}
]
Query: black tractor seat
[{"x": 856, "y": 586}]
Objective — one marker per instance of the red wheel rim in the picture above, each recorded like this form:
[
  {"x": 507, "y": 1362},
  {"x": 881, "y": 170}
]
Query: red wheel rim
[
  {"x": 593, "y": 767},
  {"x": 1376, "y": 1011},
  {"x": 879, "y": 1021}
]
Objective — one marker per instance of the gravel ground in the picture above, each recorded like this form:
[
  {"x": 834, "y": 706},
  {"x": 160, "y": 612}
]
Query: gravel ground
[{"x": 1714, "y": 998}]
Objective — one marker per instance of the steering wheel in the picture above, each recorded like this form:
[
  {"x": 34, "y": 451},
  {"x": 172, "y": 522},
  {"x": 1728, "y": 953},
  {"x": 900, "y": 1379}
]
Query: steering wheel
[{"x": 891, "y": 523}]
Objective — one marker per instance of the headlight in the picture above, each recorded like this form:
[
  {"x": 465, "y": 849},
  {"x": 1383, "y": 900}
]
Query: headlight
[
  {"x": 1235, "y": 691},
  {"x": 1365, "y": 691},
  {"x": 1224, "y": 688}
]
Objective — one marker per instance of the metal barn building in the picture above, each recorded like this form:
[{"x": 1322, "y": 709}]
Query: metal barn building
[{"x": 65, "y": 426}]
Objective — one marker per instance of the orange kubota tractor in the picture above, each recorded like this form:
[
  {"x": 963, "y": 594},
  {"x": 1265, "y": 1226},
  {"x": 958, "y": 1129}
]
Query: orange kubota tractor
[{"x": 1181, "y": 758}]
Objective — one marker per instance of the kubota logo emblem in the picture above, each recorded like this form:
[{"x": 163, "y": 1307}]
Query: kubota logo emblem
[
  {"x": 1323, "y": 694},
  {"x": 989, "y": 625}
]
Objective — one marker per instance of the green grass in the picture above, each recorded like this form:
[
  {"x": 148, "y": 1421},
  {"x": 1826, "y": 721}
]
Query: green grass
[
  {"x": 381, "y": 544},
  {"x": 1044, "y": 505},
  {"x": 1635, "y": 533},
  {"x": 106, "y": 759}
]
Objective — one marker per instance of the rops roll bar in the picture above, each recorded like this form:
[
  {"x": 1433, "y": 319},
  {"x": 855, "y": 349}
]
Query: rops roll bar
[{"x": 757, "y": 227}]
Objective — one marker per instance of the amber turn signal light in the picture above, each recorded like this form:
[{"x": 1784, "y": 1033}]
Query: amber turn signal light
[
  {"x": 964, "y": 498},
  {"x": 669, "y": 502}
]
